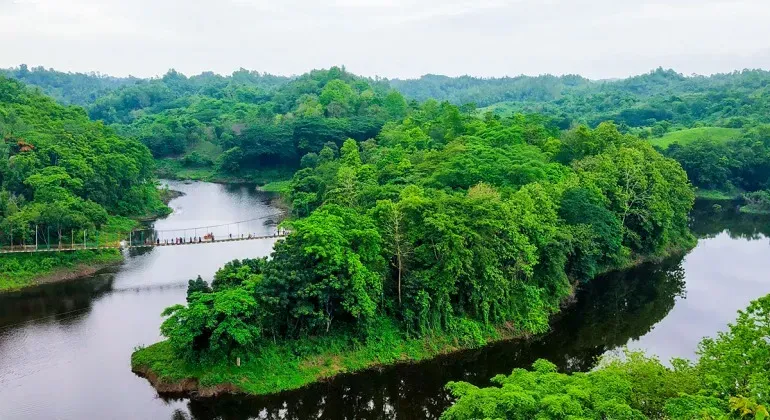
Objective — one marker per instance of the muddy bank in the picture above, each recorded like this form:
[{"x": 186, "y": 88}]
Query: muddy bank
[
  {"x": 74, "y": 273},
  {"x": 166, "y": 195},
  {"x": 443, "y": 348},
  {"x": 186, "y": 388},
  {"x": 61, "y": 274}
]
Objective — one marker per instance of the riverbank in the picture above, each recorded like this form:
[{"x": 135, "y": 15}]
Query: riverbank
[
  {"x": 293, "y": 364},
  {"x": 20, "y": 271},
  {"x": 28, "y": 270},
  {"x": 718, "y": 195},
  {"x": 170, "y": 168}
]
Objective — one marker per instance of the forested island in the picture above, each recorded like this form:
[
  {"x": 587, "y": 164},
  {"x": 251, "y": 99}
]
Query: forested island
[{"x": 427, "y": 216}]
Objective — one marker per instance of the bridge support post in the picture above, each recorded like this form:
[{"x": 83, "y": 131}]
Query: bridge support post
[{"x": 35, "y": 237}]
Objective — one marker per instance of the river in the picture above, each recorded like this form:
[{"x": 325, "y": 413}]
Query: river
[{"x": 65, "y": 348}]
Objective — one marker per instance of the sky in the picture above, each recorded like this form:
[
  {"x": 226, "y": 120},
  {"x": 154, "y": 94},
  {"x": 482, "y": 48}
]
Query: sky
[{"x": 387, "y": 38}]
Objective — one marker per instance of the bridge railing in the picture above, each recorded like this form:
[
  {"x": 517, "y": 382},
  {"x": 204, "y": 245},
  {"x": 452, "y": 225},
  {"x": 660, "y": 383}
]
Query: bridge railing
[{"x": 36, "y": 238}]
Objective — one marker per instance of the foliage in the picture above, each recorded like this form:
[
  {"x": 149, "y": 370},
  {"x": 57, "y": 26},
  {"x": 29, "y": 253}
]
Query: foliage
[
  {"x": 17, "y": 272},
  {"x": 742, "y": 164},
  {"x": 68, "y": 88},
  {"x": 729, "y": 381},
  {"x": 649, "y": 104},
  {"x": 258, "y": 120},
  {"x": 446, "y": 223},
  {"x": 717, "y": 134},
  {"x": 63, "y": 173},
  {"x": 757, "y": 202}
]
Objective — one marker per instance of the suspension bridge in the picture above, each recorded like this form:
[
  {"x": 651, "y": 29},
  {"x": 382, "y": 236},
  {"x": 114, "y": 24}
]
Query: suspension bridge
[{"x": 36, "y": 238}]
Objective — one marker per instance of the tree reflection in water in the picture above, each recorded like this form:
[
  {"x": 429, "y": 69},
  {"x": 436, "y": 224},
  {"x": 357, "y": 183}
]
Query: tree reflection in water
[{"x": 608, "y": 312}]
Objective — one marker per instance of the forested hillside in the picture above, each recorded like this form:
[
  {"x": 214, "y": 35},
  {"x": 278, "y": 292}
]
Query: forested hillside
[
  {"x": 63, "y": 173},
  {"x": 250, "y": 123},
  {"x": 68, "y": 88},
  {"x": 445, "y": 227},
  {"x": 488, "y": 91},
  {"x": 572, "y": 92},
  {"x": 715, "y": 126}
]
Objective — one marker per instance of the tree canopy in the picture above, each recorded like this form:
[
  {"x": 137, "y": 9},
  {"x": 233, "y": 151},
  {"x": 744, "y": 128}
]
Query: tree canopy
[
  {"x": 446, "y": 222},
  {"x": 59, "y": 170},
  {"x": 729, "y": 381}
]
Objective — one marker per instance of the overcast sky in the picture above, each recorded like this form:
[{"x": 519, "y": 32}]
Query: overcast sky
[{"x": 388, "y": 38}]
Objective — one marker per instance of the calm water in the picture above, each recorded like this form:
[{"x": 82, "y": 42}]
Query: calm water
[{"x": 65, "y": 349}]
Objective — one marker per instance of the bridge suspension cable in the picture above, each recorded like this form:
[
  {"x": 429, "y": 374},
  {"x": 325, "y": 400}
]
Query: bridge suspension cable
[{"x": 36, "y": 238}]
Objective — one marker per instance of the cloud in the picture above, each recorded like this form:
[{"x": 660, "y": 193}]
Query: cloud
[{"x": 392, "y": 38}]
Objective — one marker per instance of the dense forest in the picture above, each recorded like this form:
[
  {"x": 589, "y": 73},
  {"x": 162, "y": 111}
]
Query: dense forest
[
  {"x": 64, "y": 174},
  {"x": 245, "y": 121},
  {"x": 68, "y": 88},
  {"x": 412, "y": 218},
  {"x": 250, "y": 122},
  {"x": 444, "y": 224},
  {"x": 60, "y": 168},
  {"x": 728, "y": 381}
]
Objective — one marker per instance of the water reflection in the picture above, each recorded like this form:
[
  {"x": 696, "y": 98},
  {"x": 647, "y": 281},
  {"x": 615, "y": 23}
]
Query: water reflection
[
  {"x": 55, "y": 302},
  {"x": 710, "y": 218},
  {"x": 65, "y": 348},
  {"x": 82, "y": 333},
  {"x": 609, "y": 312}
]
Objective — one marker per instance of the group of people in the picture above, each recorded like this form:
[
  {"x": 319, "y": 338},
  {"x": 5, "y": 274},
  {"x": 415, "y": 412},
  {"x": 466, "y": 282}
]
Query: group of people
[
  {"x": 181, "y": 240},
  {"x": 206, "y": 238}
]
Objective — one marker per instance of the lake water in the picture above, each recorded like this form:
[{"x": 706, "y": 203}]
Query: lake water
[{"x": 65, "y": 348}]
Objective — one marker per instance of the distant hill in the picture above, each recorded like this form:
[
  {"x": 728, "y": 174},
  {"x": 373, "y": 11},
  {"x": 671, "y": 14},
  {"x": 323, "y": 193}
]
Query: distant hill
[{"x": 68, "y": 88}]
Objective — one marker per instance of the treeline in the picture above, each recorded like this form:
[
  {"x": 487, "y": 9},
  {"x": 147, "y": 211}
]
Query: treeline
[
  {"x": 729, "y": 381},
  {"x": 651, "y": 105},
  {"x": 249, "y": 120},
  {"x": 487, "y": 91},
  {"x": 443, "y": 224},
  {"x": 657, "y": 100},
  {"x": 742, "y": 163},
  {"x": 68, "y": 88},
  {"x": 62, "y": 172}
]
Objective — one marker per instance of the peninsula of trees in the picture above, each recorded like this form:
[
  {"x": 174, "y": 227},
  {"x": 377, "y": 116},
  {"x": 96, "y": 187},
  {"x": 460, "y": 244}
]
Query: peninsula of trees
[{"x": 420, "y": 223}]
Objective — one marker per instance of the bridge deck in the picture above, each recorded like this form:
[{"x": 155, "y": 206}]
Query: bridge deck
[{"x": 28, "y": 249}]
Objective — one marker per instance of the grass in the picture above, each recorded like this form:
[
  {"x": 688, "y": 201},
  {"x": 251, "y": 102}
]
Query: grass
[
  {"x": 278, "y": 187},
  {"x": 717, "y": 195},
  {"x": 170, "y": 168},
  {"x": 20, "y": 271},
  {"x": 293, "y": 364},
  {"x": 719, "y": 134},
  {"x": 753, "y": 209}
]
